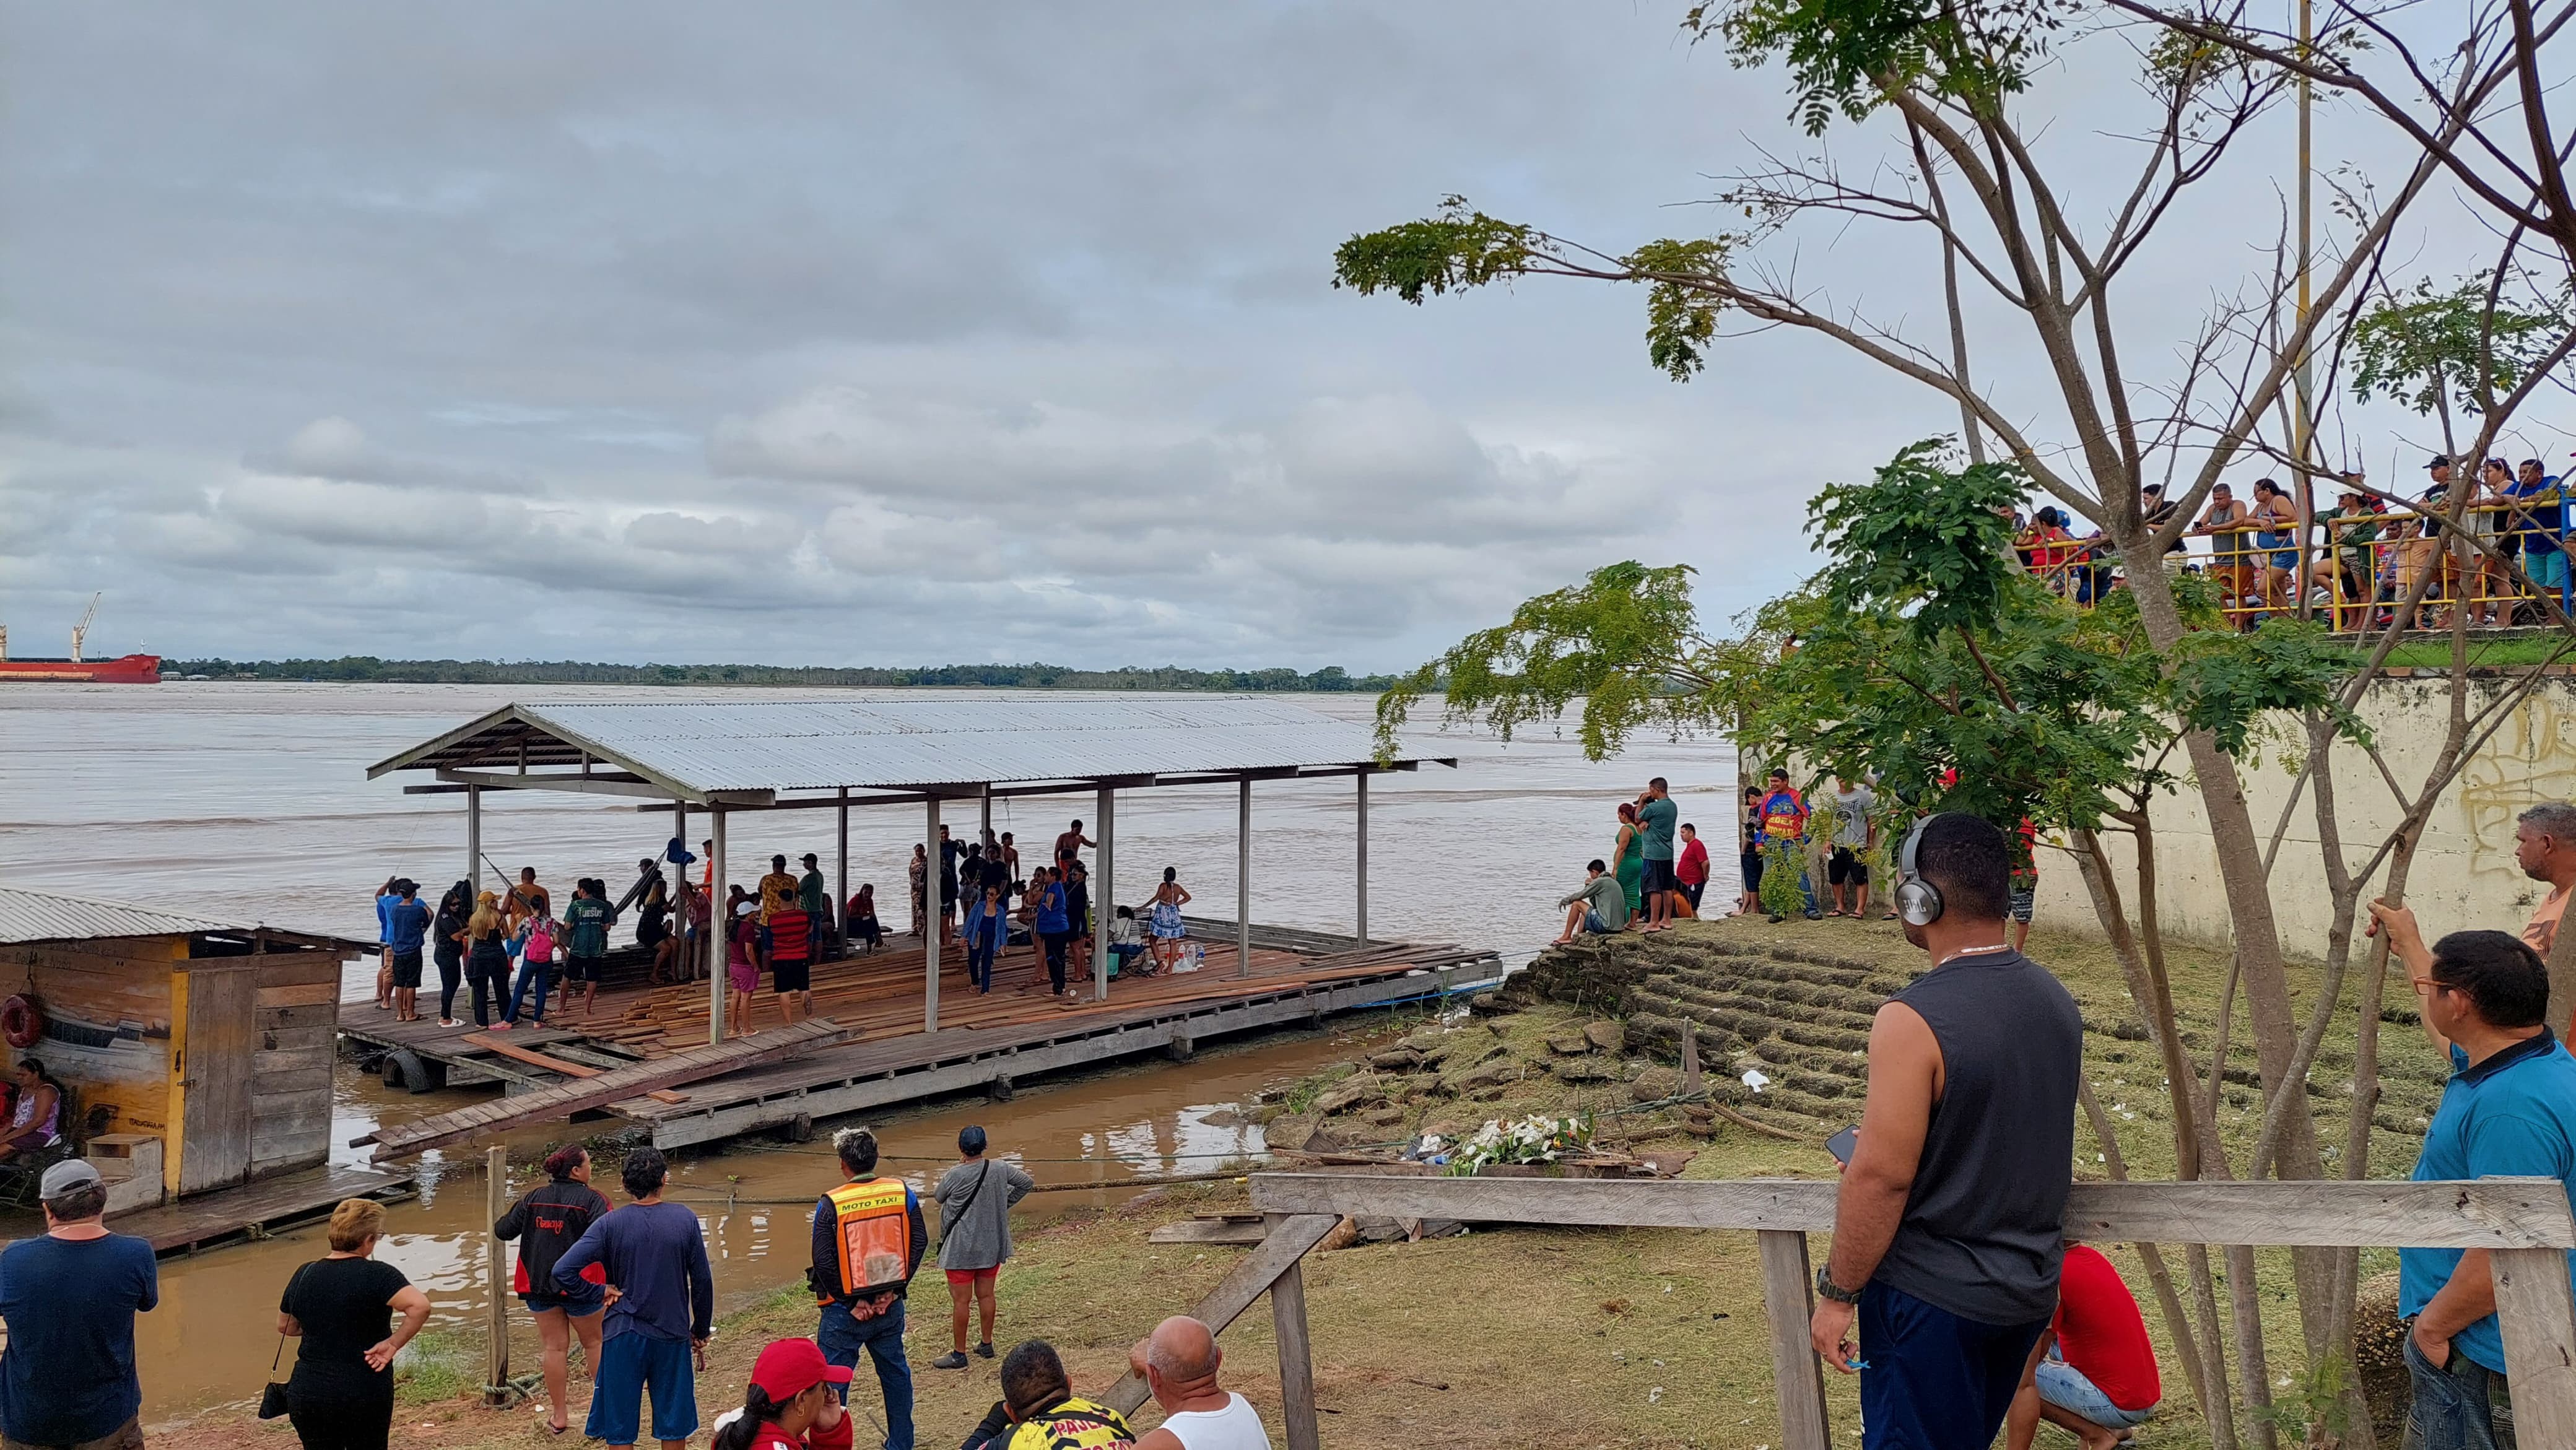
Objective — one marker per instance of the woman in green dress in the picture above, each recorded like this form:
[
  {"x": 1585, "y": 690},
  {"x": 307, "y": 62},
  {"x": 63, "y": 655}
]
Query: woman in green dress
[{"x": 1626, "y": 861}]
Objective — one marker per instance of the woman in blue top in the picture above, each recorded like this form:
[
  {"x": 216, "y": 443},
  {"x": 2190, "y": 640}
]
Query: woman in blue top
[
  {"x": 1047, "y": 918},
  {"x": 987, "y": 927},
  {"x": 1166, "y": 925}
]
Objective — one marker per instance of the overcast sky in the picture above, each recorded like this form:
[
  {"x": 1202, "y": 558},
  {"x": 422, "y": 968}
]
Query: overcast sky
[{"x": 878, "y": 334}]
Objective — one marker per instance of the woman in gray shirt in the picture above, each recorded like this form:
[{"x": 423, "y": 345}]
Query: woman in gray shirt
[{"x": 975, "y": 1199}]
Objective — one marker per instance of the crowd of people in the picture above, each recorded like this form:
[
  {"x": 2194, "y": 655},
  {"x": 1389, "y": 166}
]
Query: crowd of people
[
  {"x": 510, "y": 951},
  {"x": 2352, "y": 564},
  {"x": 630, "y": 1285}
]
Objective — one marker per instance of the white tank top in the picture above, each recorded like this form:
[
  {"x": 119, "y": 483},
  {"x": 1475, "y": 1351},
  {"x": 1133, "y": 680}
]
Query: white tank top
[{"x": 1236, "y": 1427}]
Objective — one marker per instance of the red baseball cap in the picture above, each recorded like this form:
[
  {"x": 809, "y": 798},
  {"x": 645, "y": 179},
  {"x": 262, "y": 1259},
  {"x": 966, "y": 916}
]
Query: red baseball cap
[{"x": 790, "y": 1367}]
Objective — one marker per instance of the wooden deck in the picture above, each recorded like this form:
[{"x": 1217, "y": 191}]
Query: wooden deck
[
  {"x": 256, "y": 1210},
  {"x": 985, "y": 1040}
]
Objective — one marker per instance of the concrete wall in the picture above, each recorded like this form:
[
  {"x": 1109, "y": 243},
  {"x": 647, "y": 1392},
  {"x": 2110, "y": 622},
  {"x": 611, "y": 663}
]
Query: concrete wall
[{"x": 2464, "y": 875}]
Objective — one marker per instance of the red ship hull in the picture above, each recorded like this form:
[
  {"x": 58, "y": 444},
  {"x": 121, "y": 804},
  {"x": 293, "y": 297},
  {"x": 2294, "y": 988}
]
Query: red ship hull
[{"x": 123, "y": 670}]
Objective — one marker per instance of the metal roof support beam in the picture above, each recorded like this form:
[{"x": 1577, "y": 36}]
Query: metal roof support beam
[
  {"x": 936, "y": 926},
  {"x": 1362, "y": 912},
  {"x": 599, "y": 785}
]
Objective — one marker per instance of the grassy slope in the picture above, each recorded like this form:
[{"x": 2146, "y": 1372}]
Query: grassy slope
[{"x": 1542, "y": 1338}]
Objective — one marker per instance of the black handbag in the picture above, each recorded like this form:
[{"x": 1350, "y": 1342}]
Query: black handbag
[{"x": 272, "y": 1398}]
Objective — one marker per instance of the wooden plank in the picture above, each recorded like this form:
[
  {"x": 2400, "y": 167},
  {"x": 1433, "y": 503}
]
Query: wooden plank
[
  {"x": 284, "y": 1060},
  {"x": 1796, "y": 1377},
  {"x": 564, "y": 1099},
  {"x": 1208, "y": 1231},
  {"x": 2491, "y": 1213},
  {"x": 2538, "y": 1316},
  {"x": 1296, "y": 1355},
  {"x": 1290, "y": 1237},
  {"x": 262, "y": 1204},
  {"x": 302, "y": 994},
  {"x": 270, "y": 1080},
  {"x": 529, "y": 1055}
]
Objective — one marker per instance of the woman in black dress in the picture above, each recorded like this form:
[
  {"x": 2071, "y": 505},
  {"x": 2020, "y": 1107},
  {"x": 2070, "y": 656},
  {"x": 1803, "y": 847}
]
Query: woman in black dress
[
  {"x": 487, "y": 960},
  {"x": 447, "y": 947},
  {"x": 342, "y": 1307}
]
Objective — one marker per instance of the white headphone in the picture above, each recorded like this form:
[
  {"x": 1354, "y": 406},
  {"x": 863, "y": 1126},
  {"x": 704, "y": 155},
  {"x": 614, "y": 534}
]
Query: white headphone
[{"x": 1918, "y": 902}]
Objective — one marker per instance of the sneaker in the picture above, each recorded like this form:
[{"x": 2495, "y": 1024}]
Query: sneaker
[
  {"x": 984, "y": 1350},
  {"x": 951, "y": 1360}
]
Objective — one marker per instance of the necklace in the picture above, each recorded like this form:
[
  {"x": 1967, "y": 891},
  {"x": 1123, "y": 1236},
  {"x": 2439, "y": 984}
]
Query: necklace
[{"x": 1972, "y": 952}]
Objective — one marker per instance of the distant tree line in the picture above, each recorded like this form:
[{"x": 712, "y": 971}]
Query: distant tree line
[{"x": 362, "y": 668}]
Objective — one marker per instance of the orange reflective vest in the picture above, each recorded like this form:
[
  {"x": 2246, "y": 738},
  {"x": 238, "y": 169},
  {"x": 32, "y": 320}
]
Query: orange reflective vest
[{"x": 873, "y": 1233}]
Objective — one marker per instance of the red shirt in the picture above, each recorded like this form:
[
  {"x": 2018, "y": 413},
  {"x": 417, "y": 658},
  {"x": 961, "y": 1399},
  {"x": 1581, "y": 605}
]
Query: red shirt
[
  {"x": 770, "y": 1437},
  {"x": 790, "y": 935},
  {"x": 2101, "y": 1333},
  {"x": 1691, "y": 867}
]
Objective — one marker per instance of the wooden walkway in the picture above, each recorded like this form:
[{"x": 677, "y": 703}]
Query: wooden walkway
[
  {"x": 985, "y": 1041},
  {"x": 256, "y": 1210}
]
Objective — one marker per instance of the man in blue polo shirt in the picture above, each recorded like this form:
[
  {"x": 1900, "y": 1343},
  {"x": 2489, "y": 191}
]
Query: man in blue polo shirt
[{"x": 2509, "y": 1110}]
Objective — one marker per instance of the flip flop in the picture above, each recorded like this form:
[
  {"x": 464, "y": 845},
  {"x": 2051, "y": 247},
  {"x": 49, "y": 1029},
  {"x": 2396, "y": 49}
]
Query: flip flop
[{"x": 1834, "y": 913}]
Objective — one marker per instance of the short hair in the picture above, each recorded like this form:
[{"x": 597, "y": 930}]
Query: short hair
[
  {"x": 1658, "y": 783},
  {"x": 1687, "y": 826},
  {"x": 1966, "y": 857},
  {"x": 2554, "y": 819},
  {"x": 777, "y": 863},
  {"x": 87, "y": 1200},
  {"x": 2499, "y": 973},
  {"x": 1033, "y": 1377},
  {"x": 561, "y": 1162},
  {"x": 643, "y": 1172},
  {"x": 354, "y": 1222},
  {"x": 1596, "y": 864},
  {"x": 1779, "y": 773},
  {"x": 2535, "y": 463},
  {"x": 971, "y": 1141},
  {"x": 857, "y": 1148}
]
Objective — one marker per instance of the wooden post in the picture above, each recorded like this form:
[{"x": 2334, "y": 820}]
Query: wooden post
[
  {"x": 1361, "y": 926},
  {"x": 1296, "y": 1356},
  {"x": 934, "y": 919},
  {"x": 496, "y": 1201},
  {"x": 720, "y": 917},
  {"x": 474, "y": 834},
  {"x": 841, "y": 892},
  {"x": 1797, "y": 1378},
  {"x": 1243, "y": 877},
  {"x": 1692, "y": 1083},
  {"x": 1102, "y": 902},
  {"x": 2538, "y": 1317}
]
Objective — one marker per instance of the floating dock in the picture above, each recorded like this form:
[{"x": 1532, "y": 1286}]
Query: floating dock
[
  {"x": 986, "y": 1041},
  {"x": 257, "y": 1210}
]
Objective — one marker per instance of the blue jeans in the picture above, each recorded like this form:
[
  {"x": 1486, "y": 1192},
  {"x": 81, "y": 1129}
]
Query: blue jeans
[
  {"x": 1935, "y": 1381},
  {"x": 629, "y": 1364},
  {"x": 842, "y": 1339},
  {"x": 544, "y": 975},
  {"x": 2461, "y": 1406},
  {"x": 1807, "y": 890},
  {"x": 979, "y": 965},
  {"x": 2063, "y": 1385}
]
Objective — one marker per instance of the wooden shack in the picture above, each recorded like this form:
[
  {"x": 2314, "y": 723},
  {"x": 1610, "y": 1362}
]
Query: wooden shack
[{"x": 203, "y": 1043}]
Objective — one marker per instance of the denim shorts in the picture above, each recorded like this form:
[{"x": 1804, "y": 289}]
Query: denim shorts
[
  {"x": 1593, "y": 923},
  {"x": 2063, "y": 1385}
]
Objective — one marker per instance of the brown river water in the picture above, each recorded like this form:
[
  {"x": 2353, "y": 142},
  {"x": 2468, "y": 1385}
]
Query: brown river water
[{"x": 249, "y": 802}]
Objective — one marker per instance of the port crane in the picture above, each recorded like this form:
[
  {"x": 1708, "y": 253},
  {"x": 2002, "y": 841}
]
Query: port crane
[{"x": 80, "y": 631}]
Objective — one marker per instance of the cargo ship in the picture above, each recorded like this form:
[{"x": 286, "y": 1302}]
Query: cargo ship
[{"x": 122, "y": 670}]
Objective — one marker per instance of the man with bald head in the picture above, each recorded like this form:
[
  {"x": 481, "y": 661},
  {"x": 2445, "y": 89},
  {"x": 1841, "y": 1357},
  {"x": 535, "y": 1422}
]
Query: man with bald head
[{"x": 1179, "y": 1362}]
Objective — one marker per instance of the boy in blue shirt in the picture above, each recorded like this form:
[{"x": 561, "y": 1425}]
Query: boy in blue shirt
[{"x": 2509, "y": 1110}]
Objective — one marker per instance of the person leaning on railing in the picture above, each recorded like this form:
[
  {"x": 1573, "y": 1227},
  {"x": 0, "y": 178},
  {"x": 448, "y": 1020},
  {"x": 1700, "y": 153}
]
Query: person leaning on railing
[
  {"x": 2540, "y": 513},
  {"x": 2345, "y": 570},
  {"x": 2508, "y": 1110}
]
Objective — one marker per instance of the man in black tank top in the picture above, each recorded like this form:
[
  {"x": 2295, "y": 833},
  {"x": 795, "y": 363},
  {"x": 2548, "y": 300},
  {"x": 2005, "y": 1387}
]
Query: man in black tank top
[{"x": 1947, "y": 1233}]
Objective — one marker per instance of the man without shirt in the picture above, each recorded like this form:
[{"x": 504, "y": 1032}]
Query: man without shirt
[
  {"x": 1656, "y": 817},
  {"x": 1949, "y": 1226}
]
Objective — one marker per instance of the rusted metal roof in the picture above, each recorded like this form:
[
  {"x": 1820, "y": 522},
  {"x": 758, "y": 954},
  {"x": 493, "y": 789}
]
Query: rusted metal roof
[
  {"x": 32, "y": 916},
  {"x": 696, "y": 748}
]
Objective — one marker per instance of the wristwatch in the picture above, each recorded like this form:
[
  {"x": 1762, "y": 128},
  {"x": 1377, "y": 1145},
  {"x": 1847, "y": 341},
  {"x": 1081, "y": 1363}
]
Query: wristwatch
[{"x": 1826, "y": 1288}]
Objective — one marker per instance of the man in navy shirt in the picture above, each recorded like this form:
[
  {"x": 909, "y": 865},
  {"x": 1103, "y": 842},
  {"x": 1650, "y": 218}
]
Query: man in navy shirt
[
  {"x": 2508, "y": 1110},
  {"x": 406, "y": 925},
  {"x": 67, "y": 1378},
  {"x": 663, "y": 1314}
]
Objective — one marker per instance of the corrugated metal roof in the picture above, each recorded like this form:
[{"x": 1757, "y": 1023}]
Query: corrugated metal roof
[
  {"x": 791, "y": 745},
  {"x": 30, "y": 916}
]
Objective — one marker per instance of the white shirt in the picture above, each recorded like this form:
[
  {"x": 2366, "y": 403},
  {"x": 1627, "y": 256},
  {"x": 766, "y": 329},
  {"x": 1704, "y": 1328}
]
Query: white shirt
[{"x": 1236, "y": 1427}]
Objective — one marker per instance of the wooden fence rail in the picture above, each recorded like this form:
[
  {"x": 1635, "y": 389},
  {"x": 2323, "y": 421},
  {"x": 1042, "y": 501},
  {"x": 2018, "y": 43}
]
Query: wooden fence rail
[{"x": 2525, "y": 1223}]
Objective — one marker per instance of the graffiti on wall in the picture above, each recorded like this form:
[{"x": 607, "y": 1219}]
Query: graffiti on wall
[{"x": 2533, "y": 758}]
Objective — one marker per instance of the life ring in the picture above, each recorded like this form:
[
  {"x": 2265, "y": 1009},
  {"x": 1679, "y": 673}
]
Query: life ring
[{"x": 22, "y": 1021}]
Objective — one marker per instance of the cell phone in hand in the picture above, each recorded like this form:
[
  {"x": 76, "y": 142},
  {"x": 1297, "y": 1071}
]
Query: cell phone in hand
[{"x": 1841, "y": 1144}]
